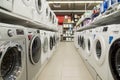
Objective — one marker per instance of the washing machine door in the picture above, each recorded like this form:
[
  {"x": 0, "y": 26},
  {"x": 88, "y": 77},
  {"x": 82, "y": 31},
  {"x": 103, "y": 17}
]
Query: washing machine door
[
  {"x": 45, "y": 45},
  {"x": 39, "y": 5},
  {"x": 51, "y": 43},
  {"x": 83, "y": 43},
  {"x": 80, "y": 41},
  {"x": 89, "y": 46},
  {"x": 99, "y": 49},
  {"x": 114, "y": 59},
  {"x": 11, "y": 61},
  {"x": 46, "y": 11},
  {"x": 35, "y": 49},
  {"x": 50, "y": 16},
  {"x": 54, "y": 40}
]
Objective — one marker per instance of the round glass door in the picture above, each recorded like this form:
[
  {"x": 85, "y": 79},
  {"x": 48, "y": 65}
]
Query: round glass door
[
  {"x": 51, "y": 43},
  {"x": 46, "y": 11},
  {"x": 35, "y": 49},
  {"x": 45, "y": 45},
  {"x": 89, "y": 45},
  {"x": 114, "y": 59},
  {"x": 38, "y": 5},
  {"x": 98, "y": 49},
  {"x": 11, "y": 63}
]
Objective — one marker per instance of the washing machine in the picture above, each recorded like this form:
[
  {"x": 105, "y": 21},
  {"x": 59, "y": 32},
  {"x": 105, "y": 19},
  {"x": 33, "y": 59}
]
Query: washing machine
[
  {"x": 6, "y": 4},
  {"x": 38, "y": 10},
  {"x": 12, "y": 52},
  {"x": 113, "y": 51},
  {"x": 45, "y": 50},
  {"x": 82, "y": 48},
  {"x": 76, "y": 39},
  {"x": 23, "y": 8},
  {"x": 99, "y": 52},
  {"x": 34, "y": 53},
  {"x": 108, "y": 67},
  {"x": 46, "y": 12}
]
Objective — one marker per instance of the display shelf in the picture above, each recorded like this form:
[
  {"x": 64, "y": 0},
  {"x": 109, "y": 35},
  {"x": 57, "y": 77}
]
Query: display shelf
[
  {"x": 89, "y": 26},
  {"x": 69, "y": 36},
  {"x": 68, "y": 32},
  {"x": 111, "y": 17},
  {"x": 12, "y": 18}
]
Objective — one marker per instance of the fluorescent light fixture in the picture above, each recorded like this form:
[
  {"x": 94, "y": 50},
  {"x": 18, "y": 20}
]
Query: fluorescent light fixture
[
  {"x": 62, "y": 11},
  {"x": 75, "y": 1}
]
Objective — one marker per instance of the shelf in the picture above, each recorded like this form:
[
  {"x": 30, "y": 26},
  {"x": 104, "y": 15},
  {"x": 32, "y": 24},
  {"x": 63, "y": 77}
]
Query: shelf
[
  {"x": 67, "y": 27},
  {"x": 112, "y": 18},
  {"x": 89, "y": 26},
  {"x": 12, "y": 18},
  {"x": 68, "y": 23},
  {"x": 68, "y": 36}
]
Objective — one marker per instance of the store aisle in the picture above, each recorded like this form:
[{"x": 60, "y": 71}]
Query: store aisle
[{"x": 65, "y": 64}]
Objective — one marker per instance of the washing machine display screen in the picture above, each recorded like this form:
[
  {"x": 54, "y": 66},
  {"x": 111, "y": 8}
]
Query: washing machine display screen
[
  {"x": 89, "y": 44},
  {"x": 11, "y": 64},
  {"x": 36, "y": 50},
  {"x": 45, "y": 45},
  {"x": 98, "y": 49}
]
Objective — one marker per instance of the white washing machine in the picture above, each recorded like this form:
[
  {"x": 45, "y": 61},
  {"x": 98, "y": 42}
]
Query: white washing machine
[
  {"x": 46, "y": 12},
  {"x": 83, "y": 45},
  {"x": 23, "y": 8},
  {"x": 99, "y": 52},
  {"x": 113, "y": 52},
  {"x": 109, "y": 69},
  {"x": 12, "y": 52},
  {"x": 38, "y": 10},
  {"x": 6, "y": 4},
  {"x": 34, "y": 53},
  {"x": 45, "y": 43}
]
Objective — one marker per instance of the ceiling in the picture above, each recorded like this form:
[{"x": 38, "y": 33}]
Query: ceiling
[{"x": 61, "y": 7}]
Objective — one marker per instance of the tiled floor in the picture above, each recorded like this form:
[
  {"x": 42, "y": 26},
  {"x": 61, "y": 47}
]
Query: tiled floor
[{"x": 65, "y": 64}]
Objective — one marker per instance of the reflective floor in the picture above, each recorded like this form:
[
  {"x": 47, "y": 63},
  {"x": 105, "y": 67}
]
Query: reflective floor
[{"x": 66, "y": 64}]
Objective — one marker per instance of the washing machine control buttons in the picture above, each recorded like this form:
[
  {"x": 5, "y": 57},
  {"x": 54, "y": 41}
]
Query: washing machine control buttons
[{"x": 10, "y": 33}]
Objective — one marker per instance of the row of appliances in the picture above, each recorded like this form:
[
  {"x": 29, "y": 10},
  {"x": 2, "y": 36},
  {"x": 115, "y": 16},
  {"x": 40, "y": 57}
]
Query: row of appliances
[
  {"x": 35, "y": 10},
  {"x": 100, "y": 50},
  {"x": 24, "y": 50}
]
